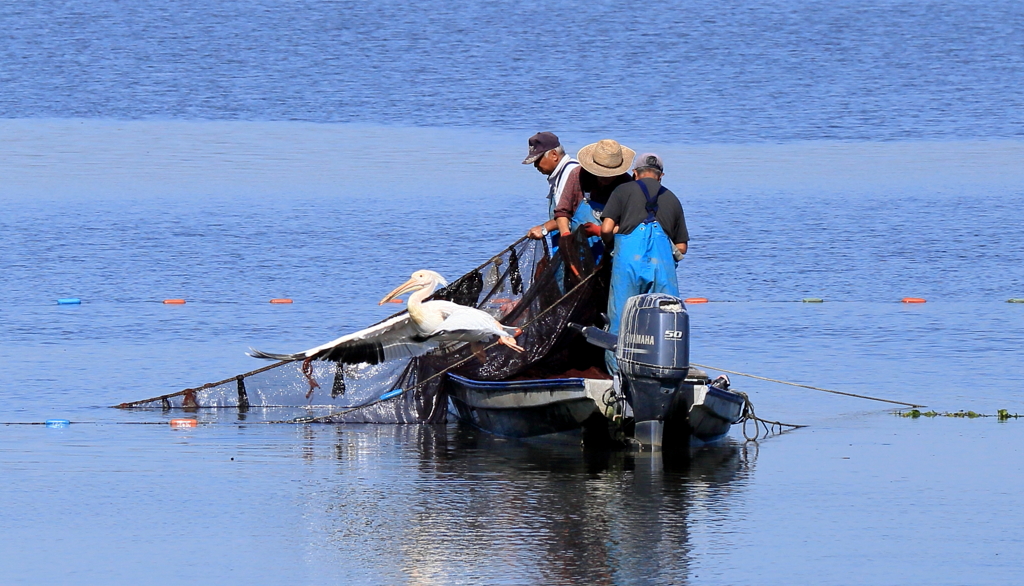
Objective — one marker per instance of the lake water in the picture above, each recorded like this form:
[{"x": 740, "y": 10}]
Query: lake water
[{"x": 230, "y": 153}]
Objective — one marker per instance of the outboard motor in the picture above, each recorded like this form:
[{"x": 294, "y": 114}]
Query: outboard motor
[{"x": 653, "y": 352}]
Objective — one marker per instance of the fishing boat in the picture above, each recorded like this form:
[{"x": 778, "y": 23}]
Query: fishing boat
[{"x": 659, "y": 402}]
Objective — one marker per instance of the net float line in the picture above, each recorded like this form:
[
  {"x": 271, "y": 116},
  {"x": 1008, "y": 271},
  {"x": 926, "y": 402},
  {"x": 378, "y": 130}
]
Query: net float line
[{"x": 688, "y": 300}]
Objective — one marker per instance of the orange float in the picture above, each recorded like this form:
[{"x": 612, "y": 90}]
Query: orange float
[
  {"x": 185, "y": 422},
  {"x": 280, "y": 301},
  {"x": 174, "y": 302},
  {"x": 913, "y": 300},
  {"x": 692, "y": 300}
]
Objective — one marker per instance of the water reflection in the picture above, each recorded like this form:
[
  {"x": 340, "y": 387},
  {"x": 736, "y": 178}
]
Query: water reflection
[{"x": 536, "y": 513}]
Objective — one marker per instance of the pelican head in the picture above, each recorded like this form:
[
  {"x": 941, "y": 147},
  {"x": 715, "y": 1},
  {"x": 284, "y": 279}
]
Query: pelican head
[{"x": 419, "y": 281}]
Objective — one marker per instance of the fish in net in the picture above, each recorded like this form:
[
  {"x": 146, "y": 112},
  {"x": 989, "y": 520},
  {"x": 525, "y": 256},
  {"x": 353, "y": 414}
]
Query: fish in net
[{"x": 528, "y": 285}]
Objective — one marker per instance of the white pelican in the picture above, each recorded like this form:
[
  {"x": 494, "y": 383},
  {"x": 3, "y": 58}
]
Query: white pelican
[{"x": 410, "y": 334}]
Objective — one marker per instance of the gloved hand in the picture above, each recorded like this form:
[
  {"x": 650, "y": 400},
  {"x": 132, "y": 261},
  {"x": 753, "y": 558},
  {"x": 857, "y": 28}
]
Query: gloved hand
[
  {"x": 677, "y": 254},
  {"x": 591, "y": 229}
]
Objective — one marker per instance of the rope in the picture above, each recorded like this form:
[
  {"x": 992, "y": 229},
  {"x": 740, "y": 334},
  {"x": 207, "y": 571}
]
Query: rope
[
  {"x": 202, "y": 388},
  {"x": 807, "y": 386},
  {"x": 88, "y": 423},
  {"x": 770, "y": 427}
]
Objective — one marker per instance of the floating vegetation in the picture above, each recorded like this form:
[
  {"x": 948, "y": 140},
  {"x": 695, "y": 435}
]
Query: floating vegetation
[{"x": 1001, "y": 415}]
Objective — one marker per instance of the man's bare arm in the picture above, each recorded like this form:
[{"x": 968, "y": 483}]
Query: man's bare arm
[{"x": 608, "y": 229}]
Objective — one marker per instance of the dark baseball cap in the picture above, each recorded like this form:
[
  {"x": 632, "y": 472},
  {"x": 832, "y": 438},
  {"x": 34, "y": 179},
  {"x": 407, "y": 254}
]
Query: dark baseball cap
[{"x": 540, "y": 143}]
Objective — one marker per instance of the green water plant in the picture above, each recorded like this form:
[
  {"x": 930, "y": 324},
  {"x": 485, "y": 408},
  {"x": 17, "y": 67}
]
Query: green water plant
[{"x": 1001, "y": 415}]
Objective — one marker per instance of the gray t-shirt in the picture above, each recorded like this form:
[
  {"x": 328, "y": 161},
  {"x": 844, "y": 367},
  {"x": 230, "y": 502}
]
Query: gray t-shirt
[{"x": 627, "y": 207}]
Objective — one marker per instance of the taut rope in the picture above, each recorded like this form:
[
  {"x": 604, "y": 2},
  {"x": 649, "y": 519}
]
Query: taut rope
[{"x": 773, "y": 380}]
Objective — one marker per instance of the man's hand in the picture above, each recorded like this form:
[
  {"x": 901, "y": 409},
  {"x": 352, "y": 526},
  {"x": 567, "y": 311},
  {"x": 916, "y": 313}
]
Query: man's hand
[
  {"x": 536, "y": 233},
  {"x": 591, "y": 229},
  {"x": 678, "y": 251}
]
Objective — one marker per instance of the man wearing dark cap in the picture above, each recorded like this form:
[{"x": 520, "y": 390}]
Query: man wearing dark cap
[
  {"x": 646, "y": 223},
  {"x": 548, "y": 156}
]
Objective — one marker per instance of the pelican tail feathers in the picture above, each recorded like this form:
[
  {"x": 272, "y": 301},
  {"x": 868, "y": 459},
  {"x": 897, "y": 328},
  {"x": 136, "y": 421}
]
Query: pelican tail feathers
[{"x": 270, "y": 356}]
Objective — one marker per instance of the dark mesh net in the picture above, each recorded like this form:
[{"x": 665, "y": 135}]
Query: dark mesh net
[{"x": 526, "y": 285}]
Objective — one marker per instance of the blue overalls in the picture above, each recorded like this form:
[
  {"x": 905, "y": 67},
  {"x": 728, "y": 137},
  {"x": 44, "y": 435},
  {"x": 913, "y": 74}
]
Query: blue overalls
[
  {"x": 643, "y": 263},
  {"x": 589, "y": 211}
]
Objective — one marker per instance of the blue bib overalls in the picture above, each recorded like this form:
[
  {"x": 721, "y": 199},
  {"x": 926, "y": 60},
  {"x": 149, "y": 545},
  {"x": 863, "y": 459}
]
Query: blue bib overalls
[{"x": 642, "y": 263}]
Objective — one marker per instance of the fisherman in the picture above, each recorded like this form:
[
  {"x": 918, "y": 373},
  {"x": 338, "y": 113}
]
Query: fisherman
[
  {"x": 603, "y": 167},
  {"x": 644, "y": 222},
  {"x": 548, "y": 156}
]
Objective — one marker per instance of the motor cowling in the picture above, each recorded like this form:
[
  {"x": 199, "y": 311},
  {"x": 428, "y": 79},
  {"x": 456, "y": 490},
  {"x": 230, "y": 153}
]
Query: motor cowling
[{"x": 653, "y": 355}]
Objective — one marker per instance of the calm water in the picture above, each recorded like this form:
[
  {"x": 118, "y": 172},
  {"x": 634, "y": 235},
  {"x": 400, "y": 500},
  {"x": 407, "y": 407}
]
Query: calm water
[
  {"x": 231, "y": 153},
  {"x": 730, "y": 71}
]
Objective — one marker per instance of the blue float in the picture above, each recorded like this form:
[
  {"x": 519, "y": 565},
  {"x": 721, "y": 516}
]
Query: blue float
[
  {"x": 391, "y": 394},
  {"x": 69, "y": 301},
  {"x": 57, "y": 423}
]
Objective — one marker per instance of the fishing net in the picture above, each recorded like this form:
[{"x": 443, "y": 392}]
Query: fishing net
[{"x": 529, "y": 285}]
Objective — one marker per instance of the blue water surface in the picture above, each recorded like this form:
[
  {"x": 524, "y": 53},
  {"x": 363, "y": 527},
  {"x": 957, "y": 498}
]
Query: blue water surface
[
  {"x": 734, "y": 71},
  {"x": 233, "y": 152}
]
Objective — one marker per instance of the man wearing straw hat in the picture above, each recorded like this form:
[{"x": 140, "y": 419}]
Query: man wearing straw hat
[
  {"x": 645, "y": 223},
  {"x": 603, "y": 167}
]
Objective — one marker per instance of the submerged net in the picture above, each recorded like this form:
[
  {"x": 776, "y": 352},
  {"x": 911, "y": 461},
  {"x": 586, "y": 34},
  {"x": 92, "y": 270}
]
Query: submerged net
[{"x": 528, "y": 285}]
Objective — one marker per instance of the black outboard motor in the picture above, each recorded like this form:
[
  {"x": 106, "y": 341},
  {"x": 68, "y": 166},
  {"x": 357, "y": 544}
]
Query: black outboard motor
[{"x": 653, "y": 353}]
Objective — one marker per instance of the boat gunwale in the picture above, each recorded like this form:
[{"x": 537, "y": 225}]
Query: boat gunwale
[{"x": 527, "y": 383}]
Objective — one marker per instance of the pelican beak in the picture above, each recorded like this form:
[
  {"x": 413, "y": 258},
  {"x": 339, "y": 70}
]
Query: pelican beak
[{"x": 405, "y": 287}]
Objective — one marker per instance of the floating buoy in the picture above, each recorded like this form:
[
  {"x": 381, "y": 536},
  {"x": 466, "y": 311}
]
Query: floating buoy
[
  {"x": 695, "y": 300},
  {"x": 57, "y": 423},
  {"x": 913, "y": 300},
  {"x": 174, "y": 302},
  {"x": 813, "y": 300},
  {"x": 69, "y": 301},
  {"x": 1015, "y": 300},
  {"x": 185, "y": 422},
  {"x": 281, "y": 300}
]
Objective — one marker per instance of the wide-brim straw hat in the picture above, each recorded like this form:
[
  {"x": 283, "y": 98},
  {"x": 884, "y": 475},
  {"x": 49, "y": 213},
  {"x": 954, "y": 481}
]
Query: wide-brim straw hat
[{"x": 606, "y": 158}]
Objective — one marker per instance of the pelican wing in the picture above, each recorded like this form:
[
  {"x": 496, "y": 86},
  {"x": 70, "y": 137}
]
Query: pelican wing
[{"x": 393, "y": 338}]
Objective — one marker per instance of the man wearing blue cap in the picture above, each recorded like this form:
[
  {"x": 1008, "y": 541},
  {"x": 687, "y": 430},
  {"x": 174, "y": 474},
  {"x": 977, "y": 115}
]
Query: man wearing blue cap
[
  {"x": 645, "y": 223},
  {"x": 547, "y": 156}
]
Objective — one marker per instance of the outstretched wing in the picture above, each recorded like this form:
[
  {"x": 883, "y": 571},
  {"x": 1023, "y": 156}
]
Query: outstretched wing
[{"x": 393, "y": 338}]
